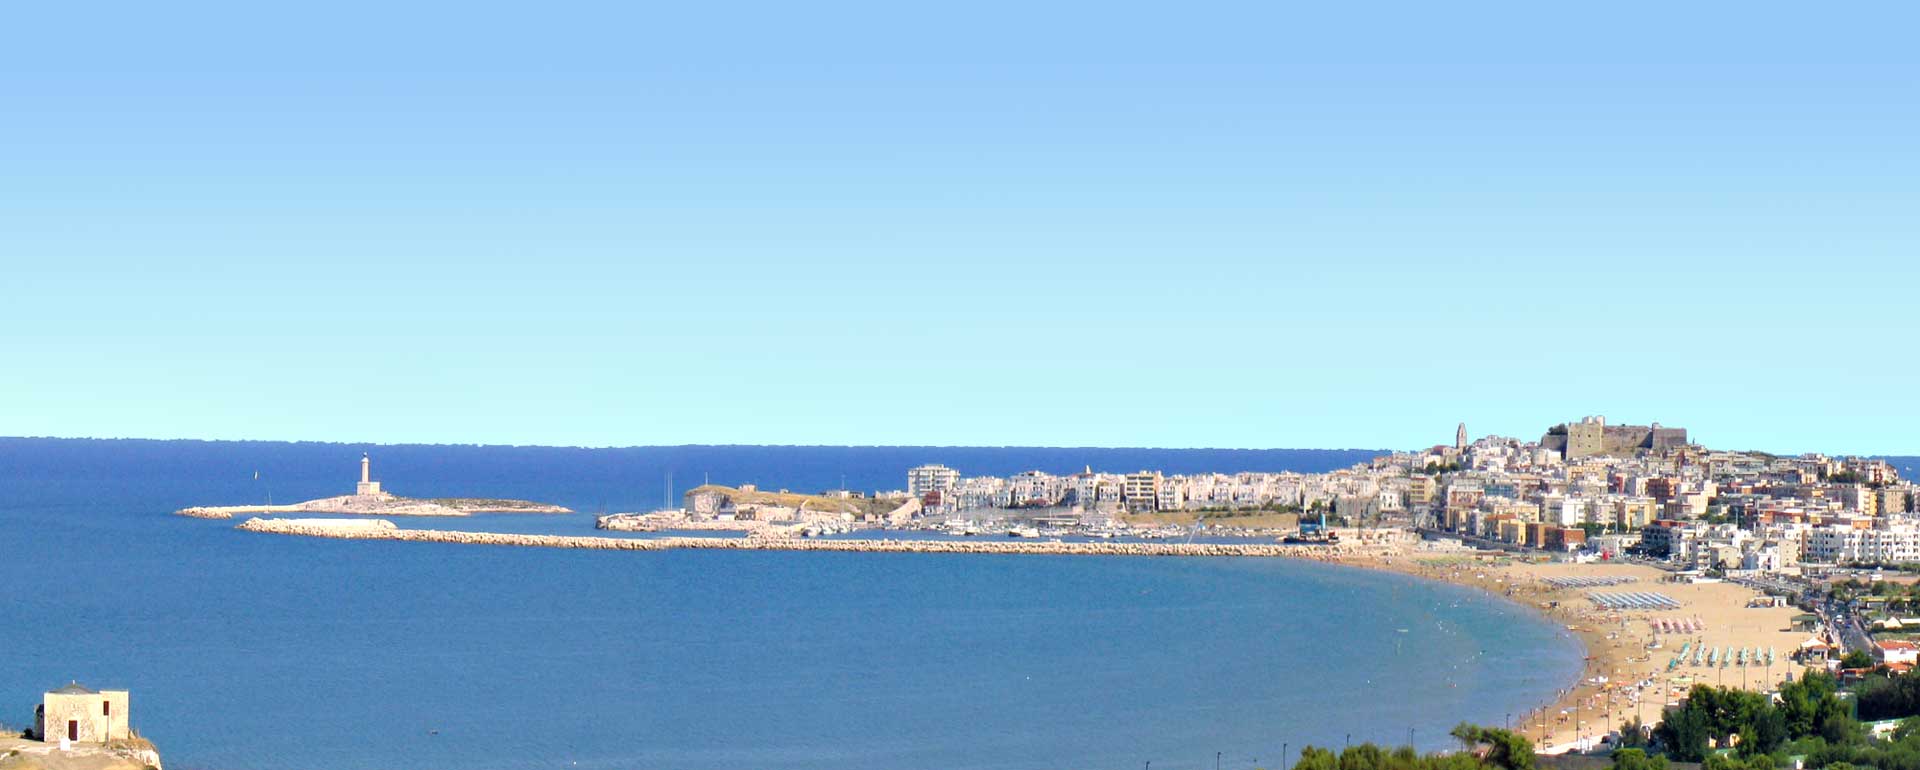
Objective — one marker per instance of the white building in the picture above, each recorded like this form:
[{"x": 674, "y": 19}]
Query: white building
[
  {"x": 1846, "y": 545},
  {"x": 931, "y": 478}
]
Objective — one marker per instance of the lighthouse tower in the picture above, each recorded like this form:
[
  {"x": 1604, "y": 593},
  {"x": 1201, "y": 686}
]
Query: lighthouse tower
[{"x": 367, "y": 485}]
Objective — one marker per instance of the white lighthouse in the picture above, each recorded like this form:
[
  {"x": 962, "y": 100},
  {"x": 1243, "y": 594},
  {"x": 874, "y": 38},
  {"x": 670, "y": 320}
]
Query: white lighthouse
[{"x": 367, "y": 485}]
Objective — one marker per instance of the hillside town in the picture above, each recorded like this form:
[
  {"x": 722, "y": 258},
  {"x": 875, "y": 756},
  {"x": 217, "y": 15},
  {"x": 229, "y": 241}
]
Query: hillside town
[{"x": 1594, "y": 489}]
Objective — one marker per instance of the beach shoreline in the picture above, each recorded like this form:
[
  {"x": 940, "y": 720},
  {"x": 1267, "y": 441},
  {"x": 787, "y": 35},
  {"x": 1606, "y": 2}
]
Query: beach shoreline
[{"x": 1617, "y": 659}]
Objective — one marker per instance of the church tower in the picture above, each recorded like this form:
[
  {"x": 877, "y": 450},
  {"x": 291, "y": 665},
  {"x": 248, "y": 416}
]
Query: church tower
[
  {"x": 367, "y": 485},
  {"x": 1460, "y": 438}
]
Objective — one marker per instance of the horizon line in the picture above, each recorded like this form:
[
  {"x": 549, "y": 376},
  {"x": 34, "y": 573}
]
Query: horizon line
[
  {"x": 689, "y": 445},
  {"x": 479, "y": 445}
]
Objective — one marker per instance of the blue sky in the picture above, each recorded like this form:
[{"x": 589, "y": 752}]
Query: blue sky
[{"x": 1195, "y": 224}]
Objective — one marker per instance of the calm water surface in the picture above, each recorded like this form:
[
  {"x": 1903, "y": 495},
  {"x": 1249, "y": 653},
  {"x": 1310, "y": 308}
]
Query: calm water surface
[{"x": 275, "y": 653}]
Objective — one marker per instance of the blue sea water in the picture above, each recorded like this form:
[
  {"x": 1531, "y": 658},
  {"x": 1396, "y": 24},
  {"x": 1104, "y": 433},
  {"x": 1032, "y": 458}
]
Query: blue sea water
[{"x": 248, "y": 651}]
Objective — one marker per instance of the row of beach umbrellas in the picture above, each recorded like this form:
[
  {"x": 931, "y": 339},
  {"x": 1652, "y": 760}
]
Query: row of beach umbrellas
[
  {"x": 1588, "y": 581},
  {"x": 1634, "y": 600}
]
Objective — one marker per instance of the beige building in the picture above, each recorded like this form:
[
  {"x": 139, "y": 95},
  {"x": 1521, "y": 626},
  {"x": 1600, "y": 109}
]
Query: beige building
[
  {"x": 77, "y": 714},
  {"x": 1421, "y": 489},
  {"x": 1512, "y": 531},
  {"x": 1894, "y": 500},
  {"x": 1632, "y": 513},
  {"x": 1142, "y": 491},
  {"x": 1519, "y": 509}
]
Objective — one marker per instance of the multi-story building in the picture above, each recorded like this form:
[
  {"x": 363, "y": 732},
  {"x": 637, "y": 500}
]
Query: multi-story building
[
  {"x": 1171, "y": 496},
  {"x": 1847, "y": 545},
  {"x": 1895, "y": 499},
  {"x": 1631, "y": 513},
  {"x": 1421, "y": 490},
  {"x": 1663, "y": 538},
  {"x": 1562, "y": 538},
  {"x": 931, "y": 478},
  {"x": 1141, "y": 492}
]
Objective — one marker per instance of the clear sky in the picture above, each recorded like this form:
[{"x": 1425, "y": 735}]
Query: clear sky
[{"x": 1125, "y": 224}]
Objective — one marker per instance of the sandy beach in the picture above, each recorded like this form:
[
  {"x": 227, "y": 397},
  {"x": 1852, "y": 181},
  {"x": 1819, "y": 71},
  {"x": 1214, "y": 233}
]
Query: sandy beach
[{"x": 1619, "y": 659}]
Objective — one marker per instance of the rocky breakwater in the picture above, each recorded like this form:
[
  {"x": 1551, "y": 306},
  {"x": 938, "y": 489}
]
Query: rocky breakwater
[{"x": 385, "y": 530}]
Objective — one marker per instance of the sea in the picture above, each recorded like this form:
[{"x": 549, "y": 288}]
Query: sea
[{"x": 257, "y": 652}]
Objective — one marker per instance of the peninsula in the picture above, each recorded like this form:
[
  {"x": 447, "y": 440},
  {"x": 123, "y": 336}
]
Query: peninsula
[{"x": 368, "y": 499}]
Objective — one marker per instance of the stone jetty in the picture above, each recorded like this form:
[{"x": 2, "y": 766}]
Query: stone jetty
[{"x": 386, "y": 530}]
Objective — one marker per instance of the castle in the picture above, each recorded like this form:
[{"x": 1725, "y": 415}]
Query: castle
[{"x": 1593, "y": 436}]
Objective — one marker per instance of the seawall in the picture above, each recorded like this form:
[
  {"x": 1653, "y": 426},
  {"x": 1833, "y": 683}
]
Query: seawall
[{"x": 373, "y": 530}]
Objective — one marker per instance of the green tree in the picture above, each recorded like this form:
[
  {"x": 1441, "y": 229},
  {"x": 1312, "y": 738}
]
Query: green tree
[
  {"x": 1365, "y": 756},
  {"x": 1685, "y": 733},
  {"x": 1505, "y": 750},
  {"x": 1633, "y": 734},
  {"x": 1909, "y": 728},
  {"x": 1313, "y": 758},
  {"x": 1857, "y": 659},
  {"x": 1813, "y": 708},
  {"x": 1637, "y": 759}
]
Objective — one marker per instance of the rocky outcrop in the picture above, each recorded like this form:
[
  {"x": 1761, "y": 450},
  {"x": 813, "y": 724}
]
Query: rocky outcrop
[
  {"x": 381, "y": 504},
  {"x": 21, "y": 754}
]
